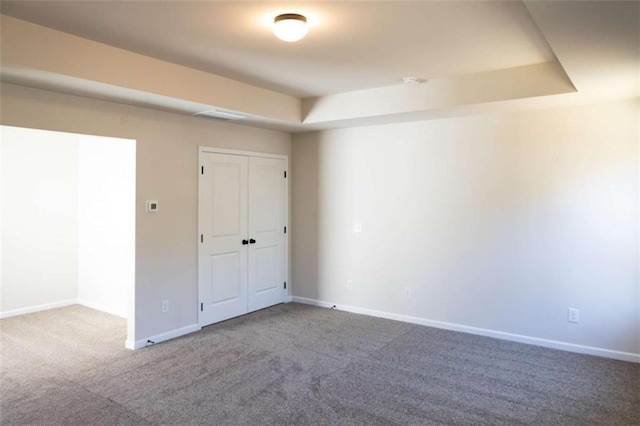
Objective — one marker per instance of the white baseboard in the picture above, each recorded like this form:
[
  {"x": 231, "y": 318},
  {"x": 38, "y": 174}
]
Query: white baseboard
[
  {"x": 102, "y": 308},
  {"x": 38, "y": 308},
  {"x": 129, "y": 344},
  {"x": 288, "y": 299},
  {"x": 554, "y": 344}
]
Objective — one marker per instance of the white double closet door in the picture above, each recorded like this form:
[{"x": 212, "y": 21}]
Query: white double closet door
[{"x": 242, "y": 218}]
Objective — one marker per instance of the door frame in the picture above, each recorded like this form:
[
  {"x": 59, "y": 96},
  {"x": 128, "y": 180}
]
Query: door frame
[{"x": 213, "y": 150}]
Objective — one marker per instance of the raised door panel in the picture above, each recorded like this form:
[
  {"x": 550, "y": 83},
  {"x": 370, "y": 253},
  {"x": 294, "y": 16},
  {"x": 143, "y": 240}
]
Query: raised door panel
[
  {"x": 227, "y": 200},
  {"x": 226, "y": 277}
]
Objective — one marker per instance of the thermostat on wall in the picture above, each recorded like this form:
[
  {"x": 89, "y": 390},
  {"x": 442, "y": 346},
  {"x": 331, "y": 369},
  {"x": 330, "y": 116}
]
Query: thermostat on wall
[{"x": 152, "y": 206}]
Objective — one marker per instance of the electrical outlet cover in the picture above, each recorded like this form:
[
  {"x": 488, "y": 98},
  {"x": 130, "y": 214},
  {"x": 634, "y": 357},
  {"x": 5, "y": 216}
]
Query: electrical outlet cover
[{"x": 573, "y": 315}]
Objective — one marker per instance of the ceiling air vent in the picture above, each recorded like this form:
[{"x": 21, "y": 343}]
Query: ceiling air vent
[{"x": 219, "y": 115}]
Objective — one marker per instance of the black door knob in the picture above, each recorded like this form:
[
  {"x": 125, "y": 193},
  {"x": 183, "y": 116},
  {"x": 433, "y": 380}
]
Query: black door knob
[
  {"x": 245, "y": 242},
  {"x": 252, "y": 241}
]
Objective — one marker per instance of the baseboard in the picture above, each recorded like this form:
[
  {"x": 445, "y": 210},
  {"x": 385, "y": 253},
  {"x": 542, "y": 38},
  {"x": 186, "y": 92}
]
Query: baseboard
[
  {"x": 38, "y": 308},
  {"x": 554, "y": 344},
  {"x": 101, "y": 308},
  {"x": 129, "y": 344},
  {"x": 288, "y": 299}
]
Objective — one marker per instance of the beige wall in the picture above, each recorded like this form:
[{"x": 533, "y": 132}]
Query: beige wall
[
  {"x": 167, "y": 164},
  {"x": 499, "y": 222}
]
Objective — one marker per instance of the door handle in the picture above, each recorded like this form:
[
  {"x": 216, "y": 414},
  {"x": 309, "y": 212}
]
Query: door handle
[
  {"x": 245, "y": 242},
  {"x": 252, "y": 241}
]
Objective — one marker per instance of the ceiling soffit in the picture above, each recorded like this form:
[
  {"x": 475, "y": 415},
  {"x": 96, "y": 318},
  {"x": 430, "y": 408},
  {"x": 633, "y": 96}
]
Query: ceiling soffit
[{"x": 31, "y": 56}]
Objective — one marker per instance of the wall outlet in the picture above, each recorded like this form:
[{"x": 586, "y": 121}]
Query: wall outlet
[
  {"x": 573, "y": 315},
  {"x": 349, "y": 285},
  {"x": 165, "y": 306},
  {"x": 407, "y": 292}
]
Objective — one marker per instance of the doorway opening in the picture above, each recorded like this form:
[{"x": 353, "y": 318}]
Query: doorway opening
[{"x": 67, "y": 234}]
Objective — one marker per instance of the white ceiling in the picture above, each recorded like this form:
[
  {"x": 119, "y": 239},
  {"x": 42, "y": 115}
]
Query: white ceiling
[{"x": 350, "y": 46}]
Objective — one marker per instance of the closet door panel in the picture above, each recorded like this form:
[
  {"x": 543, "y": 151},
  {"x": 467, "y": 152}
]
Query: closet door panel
[
  {"x": 267, "y": 187},
  {"x": 223, "y": 217}
]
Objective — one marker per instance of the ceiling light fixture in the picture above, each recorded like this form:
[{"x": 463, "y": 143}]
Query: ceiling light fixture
[{"x": 290, "y": 27}]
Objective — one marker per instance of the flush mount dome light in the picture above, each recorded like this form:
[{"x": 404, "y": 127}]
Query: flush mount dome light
[{"x": 290, "y": 26}]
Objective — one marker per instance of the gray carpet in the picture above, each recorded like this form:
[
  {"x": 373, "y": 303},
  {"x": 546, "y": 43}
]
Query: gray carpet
[{"x": 295, "y": 364}]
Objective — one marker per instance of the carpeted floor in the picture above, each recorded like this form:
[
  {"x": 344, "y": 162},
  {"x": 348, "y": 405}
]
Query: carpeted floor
[{"x": 296, "y": 364}]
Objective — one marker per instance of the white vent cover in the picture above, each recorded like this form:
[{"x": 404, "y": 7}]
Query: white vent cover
[{"x": 220, "y": 115}]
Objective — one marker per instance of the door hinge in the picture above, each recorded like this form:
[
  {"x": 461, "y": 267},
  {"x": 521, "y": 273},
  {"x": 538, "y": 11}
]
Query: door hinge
[
  {"x": 285, "y": 174},
  {"x": 202, "y": 238},
  {"x": 201, "y": 307},
  {"x": 201, "y": 170},
  {"x": 285, "y": 285},
  {"x": 285, "y": 229}
]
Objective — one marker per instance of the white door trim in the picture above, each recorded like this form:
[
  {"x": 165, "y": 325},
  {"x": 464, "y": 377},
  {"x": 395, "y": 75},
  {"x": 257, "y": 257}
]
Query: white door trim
[
  {"x": 287, "y": 242},
  {"x": 215, "y": 150}
]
